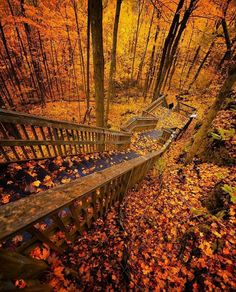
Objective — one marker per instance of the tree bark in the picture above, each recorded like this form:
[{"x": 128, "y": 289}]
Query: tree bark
[
  {"x": 172, "y": 41},
  {"x": 112, "y": 73},
  {"x": 16, "y": 79},
  {"x": 80, "y": 49},
  {"x": 192, "y": 64},
  {"x": 140, "y": 68},
  {"x": 140, "y": 9},
  {"x": 34, "y": 60},
  {"x": 200, "y": 140},
  {"x": 168, "y": 43},
  {"x": 88, "y": 56},
  {"x": 150, "y": 67},
  {"x": 201, "y": 65},
  {"x": 98, "y": 58}
]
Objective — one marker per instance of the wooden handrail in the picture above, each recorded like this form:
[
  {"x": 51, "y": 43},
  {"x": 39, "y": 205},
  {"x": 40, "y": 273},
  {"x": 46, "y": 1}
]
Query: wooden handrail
[
  {"x": 24, "y": 137},
  {"x": 161, "y": 101},
  {"x": 140, "y": 123},
  {"x": 97, "y": 191},
  {"x": 18, "y": 117},
  {"x": 185, "y": 108}
]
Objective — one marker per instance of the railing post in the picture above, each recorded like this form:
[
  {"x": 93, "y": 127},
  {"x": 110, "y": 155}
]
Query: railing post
[
  {"x": 102, "y": 136},
  {"x": 15, "y": 266},
  {"x": 164, "y": 101}
]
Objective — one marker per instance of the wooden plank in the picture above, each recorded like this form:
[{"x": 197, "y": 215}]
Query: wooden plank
[
  {"x": 2, "y": 150},
  {"x": 43, "y": 238},
  {"x": 44, "y": 138},
  {"x": 56, "y": 142},
  {"x": 32, "y": 209},
  {"x": 19, "y": 118}
]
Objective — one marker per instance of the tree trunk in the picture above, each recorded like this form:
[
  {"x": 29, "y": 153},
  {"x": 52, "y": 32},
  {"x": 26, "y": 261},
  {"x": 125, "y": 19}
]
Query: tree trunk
[
  {"x": 112, "y": 73},
  {"x": 185, "y": 61},
  {"x": 80, "y": 48},
  {"x": 88, "y": 56},
  {"x": 140, "y": 68},
  {"x": 150, "y": 67},
  {"x": 176, "y": 30},
  {"x": 200, "y": 140},
  {"x": 201, "y": 65},
  {"x": 192, "y": 64},
  {"x": 98, "y": 58},
  {"x": 140, "y": 9},
  {"x": 22, "y": 47},
  {"x": 34, "y": 60},
  {"x": 168, "y": 43},
  {"x": 16, "y": 79}
]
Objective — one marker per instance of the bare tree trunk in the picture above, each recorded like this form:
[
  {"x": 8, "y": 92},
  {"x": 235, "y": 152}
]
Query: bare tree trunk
[
  {"x": 192, "y": 64},
  {"x": 34, "y": 61},
  {"x": 200, "y": 139},
  {"x": 80, "y": 48},
  {"x": 88, "y": 56},
  {"x": 150, "y": 67},
  {"x": 6, "y": 92},
  {"x": 112, "y": 73},
  {"x": 185, "y": 61},
  {"x": 201, "y": 65},
  {"x": 171, "y": 72},
  {"x": 98, "y": 58},
  {"x": 168, "y": 43},
  {"x": 140, "y": 9},
  {"x": 43, "y": 53},
  {"x": 22, "y": 47},
  {"x": 140, "y": 68},
  {"x": 172, "y": 41},
  {"x": 16, "y": 79}
]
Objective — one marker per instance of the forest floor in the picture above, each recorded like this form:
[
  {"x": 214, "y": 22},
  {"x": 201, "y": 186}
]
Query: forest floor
[
  {"x": 161, "y": 238},
  {"x": 165, "y": 235},
  {"x": 126, "y": 105}
]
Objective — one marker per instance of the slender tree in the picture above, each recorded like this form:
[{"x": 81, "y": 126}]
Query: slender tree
[
  {"x": 112, "y": 73},
  {"x": 200, "y": 139},
  {"x": 140, "y": 9},
  {"x": 171, "y": 43},
  {"x": 88, "y": 56},
  {"x": 150, "y": 66},
  {"x": 140, "y": 68},
  {"x": 202, "y": 64},
  {"x": 98, "y": 58}
]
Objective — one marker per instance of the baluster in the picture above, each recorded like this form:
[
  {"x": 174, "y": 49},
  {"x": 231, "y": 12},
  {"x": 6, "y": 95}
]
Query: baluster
[
  {"x": 51, "y": 139},
  {"x": 44, "y": 138},
  {"x": 37, "y": 138}
]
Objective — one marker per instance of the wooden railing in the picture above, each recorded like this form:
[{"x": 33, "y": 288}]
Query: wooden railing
[
  {"x": 185, "y": 109},
  {"x": 71, "y": 208},
  {"x": 25, "y": 137},
  {"x": 161, "y": 101},
  {"x": 140, "y": 124}
]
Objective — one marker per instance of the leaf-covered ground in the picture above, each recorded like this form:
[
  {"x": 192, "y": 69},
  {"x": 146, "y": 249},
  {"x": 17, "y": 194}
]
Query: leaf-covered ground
[
  {"x": 161, "y": 238},
  {"x": 170, "y": 234},
  {"x": 18, "y": 180}
]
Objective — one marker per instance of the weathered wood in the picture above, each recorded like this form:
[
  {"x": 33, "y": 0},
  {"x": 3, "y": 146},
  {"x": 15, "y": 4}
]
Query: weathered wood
[
  {"x": 140, "y": 124},
  {"x": 161, "y": 101},
  {"x": 34, "y": 208},
  {"x": 16, "y": 266},
  {"x": 37, "y": 137}
]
